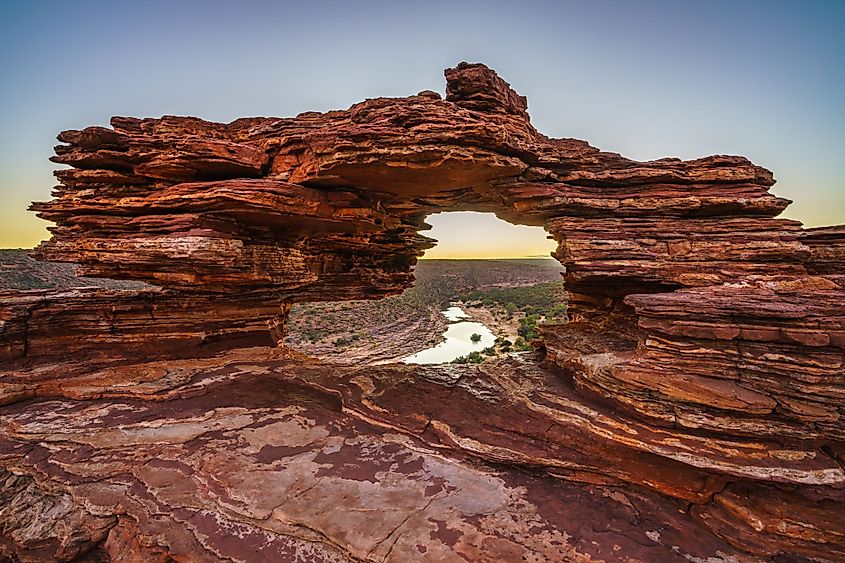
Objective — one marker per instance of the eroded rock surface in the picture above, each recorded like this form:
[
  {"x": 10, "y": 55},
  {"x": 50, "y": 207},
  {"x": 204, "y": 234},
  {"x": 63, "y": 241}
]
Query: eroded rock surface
[
  {"x": 281, "y": 459},
  {"x": 691, "y": 408}
]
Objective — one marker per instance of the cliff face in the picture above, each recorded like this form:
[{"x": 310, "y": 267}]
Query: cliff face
[{"x": 702, "y": 364}]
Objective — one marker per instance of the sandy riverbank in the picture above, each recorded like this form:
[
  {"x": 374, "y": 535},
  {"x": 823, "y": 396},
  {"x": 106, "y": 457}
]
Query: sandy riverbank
[
  {"x": 495, "y": 319},
  {"x": 391, "y": 342},
  {"x": 384, "y": 343}
]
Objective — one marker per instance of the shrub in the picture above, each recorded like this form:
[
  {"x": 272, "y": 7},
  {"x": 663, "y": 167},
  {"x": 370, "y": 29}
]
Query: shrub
[
  {"x": 528, "y": 327},
  {"x": 475, "y": 337},
  {"x": 471, "y": 358},
  {"x": 558, "y": 310},
  {"x": 521, "y": 346}
]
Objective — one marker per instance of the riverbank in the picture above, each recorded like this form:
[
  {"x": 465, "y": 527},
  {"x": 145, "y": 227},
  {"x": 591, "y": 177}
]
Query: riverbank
[
  {"x": 390, "y": 329},
  {"x": 496, "y": 319},
  {"x": 394, "y": 341},
  {"x": 462, "y": 337},
  {"x": 404, "y": 337}
]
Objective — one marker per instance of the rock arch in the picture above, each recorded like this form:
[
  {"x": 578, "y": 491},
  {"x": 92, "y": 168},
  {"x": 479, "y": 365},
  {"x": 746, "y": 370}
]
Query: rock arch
[
  {"x": 694, "y": 310},
  {"x": 267, "y": 211}
]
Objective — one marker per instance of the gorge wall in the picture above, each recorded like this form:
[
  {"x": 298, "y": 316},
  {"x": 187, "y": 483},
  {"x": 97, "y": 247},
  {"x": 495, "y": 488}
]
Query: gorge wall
[{"x": 702, "y": 363}]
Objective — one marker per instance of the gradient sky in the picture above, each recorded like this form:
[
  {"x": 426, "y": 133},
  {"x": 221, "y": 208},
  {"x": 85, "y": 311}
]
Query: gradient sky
[
  {"x": 647, "y": 79},
  {"x": 466, "y": 234}
]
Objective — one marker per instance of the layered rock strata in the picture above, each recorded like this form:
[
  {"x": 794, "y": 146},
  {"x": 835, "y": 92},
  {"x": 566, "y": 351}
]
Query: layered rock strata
[
  {"x": 758, "y": 357},
  {"x": 54, "y": 334},
  {"x": 251, "y": 457},
  {"x": 702, "y": 363}
]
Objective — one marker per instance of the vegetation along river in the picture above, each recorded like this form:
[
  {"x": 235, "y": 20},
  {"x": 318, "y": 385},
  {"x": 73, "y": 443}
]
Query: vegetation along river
[{"x": 458, "y": 341}]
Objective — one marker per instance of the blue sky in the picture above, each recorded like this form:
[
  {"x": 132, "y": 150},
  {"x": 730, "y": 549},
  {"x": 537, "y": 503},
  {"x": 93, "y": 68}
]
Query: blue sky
[{"x": 647, "y": 79}]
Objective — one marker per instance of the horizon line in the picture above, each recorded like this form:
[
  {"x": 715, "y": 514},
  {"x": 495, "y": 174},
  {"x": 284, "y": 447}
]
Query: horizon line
[
  {"x": 532, "y": 257},
  {"x": 527, "y": 257}
]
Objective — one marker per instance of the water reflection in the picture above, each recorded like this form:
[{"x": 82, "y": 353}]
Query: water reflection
[{"x": 458, "y": 340}]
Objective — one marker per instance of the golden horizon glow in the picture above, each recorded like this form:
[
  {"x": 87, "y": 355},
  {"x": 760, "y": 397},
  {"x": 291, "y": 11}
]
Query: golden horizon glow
[
  {"x": 467, "y": 235},
  {"x": 20, "y": 228}
]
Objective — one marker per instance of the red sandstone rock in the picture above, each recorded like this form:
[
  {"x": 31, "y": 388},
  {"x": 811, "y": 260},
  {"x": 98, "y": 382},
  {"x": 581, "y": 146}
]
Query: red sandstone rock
[
  {"x": 53, "y": 334},
  {"x": 476, "y": 87},
  {"x": 125, "y": 211},
  {"x": 758, "y": 358},
  {"x": 298, "y": 435},
  {"x": 828, "y": 250},
  {"x": 700, "y": 377},
  {"x": 286, "y": 457}
]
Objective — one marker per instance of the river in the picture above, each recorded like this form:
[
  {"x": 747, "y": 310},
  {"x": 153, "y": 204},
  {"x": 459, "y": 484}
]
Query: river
[{"x": 458, "y": 340}]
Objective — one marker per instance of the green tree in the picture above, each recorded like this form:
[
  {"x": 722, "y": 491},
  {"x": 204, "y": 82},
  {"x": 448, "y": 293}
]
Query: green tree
[
  {"x": 475, "y": 337},
  {"x": 475, "y": 358}
]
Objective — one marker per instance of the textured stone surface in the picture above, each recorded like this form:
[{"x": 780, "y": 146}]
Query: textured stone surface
[
  {"x": 756, "y": 357},
  {"x": 828, "y": 249},
  {"x": 279, "y": 460},
  {"x": 691, "y": 408},
  {"x": 53, "y": 334},
  {"x": 220, "y": 457}
]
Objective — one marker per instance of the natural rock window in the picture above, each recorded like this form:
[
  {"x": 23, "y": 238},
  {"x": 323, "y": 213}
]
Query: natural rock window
[{"x": 699, "y": 373}]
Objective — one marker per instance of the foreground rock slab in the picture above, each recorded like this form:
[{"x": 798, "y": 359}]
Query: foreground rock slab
[{"x": 260, "y": 461}]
